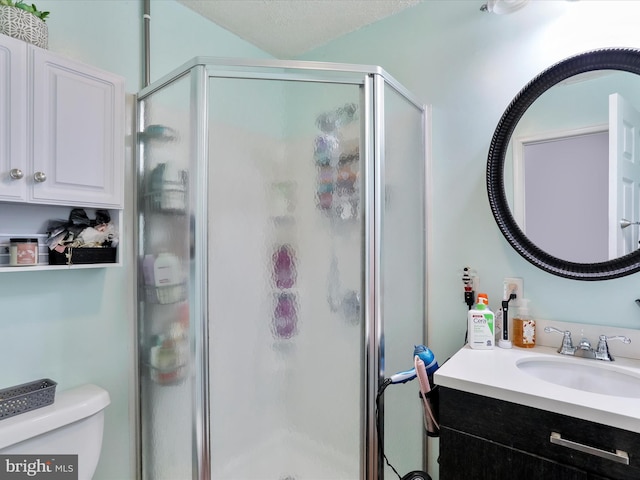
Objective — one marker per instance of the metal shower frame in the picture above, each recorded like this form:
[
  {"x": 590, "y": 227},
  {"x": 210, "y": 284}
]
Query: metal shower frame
[{"x": 372, "y": 79}]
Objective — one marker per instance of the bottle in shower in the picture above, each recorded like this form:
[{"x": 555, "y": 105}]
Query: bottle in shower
[
  {"x": 284, "y": 267},
  {"x": 285, "y": 316}
]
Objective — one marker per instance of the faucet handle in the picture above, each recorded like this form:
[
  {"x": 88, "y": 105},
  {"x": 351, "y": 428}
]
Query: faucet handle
[
  {"x": 567, "y": 347},
  {"x": 555, "y": 330},
  {"x": 622, "y": 338},
  {"x": 602, "y": 350}
]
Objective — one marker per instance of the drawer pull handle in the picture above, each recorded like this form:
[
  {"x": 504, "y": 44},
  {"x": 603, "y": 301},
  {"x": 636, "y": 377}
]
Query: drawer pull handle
[{"x": 617, "y": 456}]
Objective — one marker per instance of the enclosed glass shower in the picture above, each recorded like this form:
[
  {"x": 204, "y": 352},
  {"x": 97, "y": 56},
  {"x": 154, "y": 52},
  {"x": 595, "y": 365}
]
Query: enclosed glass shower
[{"x": 282, "y": 246}]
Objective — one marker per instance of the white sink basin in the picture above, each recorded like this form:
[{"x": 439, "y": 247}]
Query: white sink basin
[{"x": 596, "y": 376}]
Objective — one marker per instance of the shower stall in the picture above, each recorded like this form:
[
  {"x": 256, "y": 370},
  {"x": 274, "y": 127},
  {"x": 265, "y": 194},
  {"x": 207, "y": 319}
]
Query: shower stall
[{"x": 282, "y": 244}]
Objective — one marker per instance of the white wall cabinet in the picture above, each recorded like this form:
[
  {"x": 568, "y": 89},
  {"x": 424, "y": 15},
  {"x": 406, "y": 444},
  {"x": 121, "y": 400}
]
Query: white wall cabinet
[
  {"x": 61, "y": 130},
  {"x": 13, "y": 118},
  {"x": 62, "y": 144}
]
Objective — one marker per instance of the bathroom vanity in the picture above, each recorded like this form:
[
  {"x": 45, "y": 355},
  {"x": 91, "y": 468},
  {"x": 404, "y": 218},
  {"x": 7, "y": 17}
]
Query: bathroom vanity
[
  {"x": 500, "y": 422},
  {"x": 536, "y": 413}
]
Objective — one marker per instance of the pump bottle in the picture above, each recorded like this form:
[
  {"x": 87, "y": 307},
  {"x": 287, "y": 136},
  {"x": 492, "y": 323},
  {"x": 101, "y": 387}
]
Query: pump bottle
[
  {"x": 481, "y": 325},
  {"x": 524, "y": 327}
]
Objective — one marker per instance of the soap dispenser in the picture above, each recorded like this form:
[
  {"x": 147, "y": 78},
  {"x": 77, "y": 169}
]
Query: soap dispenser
[{"x": 524, "y": 327}]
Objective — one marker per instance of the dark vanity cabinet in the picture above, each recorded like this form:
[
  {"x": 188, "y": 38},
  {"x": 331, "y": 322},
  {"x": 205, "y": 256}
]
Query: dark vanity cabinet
[{"x": 485, "y": 438}]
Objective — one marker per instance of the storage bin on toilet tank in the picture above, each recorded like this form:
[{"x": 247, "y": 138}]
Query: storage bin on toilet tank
[{"x": 72, "y": 425}]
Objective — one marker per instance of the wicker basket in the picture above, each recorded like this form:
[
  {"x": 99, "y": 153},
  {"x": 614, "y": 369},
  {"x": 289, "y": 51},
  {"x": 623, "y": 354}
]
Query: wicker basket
[
  {"x": 26, "y": 397},
  {"x": 23, "y": 25}
]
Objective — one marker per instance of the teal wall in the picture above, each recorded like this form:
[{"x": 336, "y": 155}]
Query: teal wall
[
  {"x": 468, "y": 65},
  {"x": 77, "y": 327}
]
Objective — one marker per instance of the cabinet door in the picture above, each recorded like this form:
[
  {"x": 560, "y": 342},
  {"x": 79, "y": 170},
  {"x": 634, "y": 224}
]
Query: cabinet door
[
  {"x": 78, "y": 133},
  {"x": 467, "y": 457},
  {"x": 13, "y": 119},
  {"x": 529, "y": 430}
]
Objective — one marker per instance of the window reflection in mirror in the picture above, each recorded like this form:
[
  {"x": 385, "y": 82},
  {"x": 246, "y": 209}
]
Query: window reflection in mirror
[{"x": 564, "y": 181}]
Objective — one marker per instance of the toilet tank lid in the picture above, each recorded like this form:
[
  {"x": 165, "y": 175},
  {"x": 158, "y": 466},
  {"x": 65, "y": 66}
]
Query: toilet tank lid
[{"x": 69, "y": 406}]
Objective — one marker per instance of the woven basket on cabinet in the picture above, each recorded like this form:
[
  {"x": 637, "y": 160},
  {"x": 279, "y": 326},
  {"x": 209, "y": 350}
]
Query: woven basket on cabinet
[{"x": 23, "y": 25}]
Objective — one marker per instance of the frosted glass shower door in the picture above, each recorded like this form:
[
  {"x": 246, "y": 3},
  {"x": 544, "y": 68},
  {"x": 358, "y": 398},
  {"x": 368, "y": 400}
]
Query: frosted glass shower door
[
  {"x": 285, "y": 279},
  {"x": 166, "y": 366},
  {"x": 403, "y": 251}
]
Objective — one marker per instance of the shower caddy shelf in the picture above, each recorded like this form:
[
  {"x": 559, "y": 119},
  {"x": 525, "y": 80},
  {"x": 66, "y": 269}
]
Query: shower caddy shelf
[
  {"x": 165, "y": 353},
  {"x": 165, "y": 295}
]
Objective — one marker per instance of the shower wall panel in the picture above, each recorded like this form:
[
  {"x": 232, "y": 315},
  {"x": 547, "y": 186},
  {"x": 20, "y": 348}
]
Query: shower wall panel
[
  {"x": 165, "y": 357},
  {"x": 403, "y": 274},
  {"x": 240, "y": 362}
]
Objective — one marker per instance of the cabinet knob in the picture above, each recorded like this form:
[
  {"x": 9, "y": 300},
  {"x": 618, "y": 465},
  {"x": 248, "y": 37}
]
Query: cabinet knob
[
  {"x": 16, "y": 174},
  {"x": 39, "y": 177}
]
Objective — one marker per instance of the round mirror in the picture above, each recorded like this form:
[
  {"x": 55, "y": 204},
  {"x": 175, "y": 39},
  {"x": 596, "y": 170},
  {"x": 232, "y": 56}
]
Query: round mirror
[{"x": 563, "y": 171}]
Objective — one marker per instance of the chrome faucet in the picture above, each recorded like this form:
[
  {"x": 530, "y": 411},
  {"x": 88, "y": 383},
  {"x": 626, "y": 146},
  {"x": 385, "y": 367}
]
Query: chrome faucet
[
  {"x": 584, "y": 344},
  {"x": 601, "y": 352}
]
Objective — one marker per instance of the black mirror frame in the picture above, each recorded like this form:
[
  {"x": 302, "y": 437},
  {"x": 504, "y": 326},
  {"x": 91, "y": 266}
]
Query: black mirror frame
[{"x": 624, "y": 59}]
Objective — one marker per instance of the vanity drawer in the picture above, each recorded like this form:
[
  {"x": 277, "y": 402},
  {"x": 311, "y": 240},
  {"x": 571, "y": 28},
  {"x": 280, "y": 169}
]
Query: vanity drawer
[{"x": 530, "y": 430}]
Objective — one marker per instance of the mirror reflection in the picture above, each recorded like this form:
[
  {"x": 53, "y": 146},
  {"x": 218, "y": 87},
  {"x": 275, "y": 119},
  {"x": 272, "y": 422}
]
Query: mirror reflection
[{"x": 572, "y": 168}]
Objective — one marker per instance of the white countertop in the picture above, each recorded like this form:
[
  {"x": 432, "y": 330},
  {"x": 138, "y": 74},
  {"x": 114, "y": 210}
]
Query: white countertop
[{"x": 493, "y": 373}]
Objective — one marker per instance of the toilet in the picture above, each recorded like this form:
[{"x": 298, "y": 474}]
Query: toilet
[{"x": 72, "y": 424}]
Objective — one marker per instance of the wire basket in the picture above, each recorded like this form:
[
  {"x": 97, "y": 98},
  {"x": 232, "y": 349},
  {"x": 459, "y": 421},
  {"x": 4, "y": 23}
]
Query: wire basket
[
  {"x": 168, "y": 200},
  {"x": 166, "y": 294},
  {"x": 26, "y": 397}
]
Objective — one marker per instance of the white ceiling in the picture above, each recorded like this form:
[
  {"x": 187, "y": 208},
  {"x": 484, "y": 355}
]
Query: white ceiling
[{"x": 288, "y": 28}]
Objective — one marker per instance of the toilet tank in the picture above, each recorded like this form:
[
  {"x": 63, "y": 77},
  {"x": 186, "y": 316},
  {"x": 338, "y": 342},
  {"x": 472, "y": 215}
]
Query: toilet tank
[{"x": 72, "y": 425}]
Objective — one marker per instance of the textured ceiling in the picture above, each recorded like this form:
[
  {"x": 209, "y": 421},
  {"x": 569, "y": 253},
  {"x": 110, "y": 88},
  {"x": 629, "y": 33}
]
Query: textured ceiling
[{"x": 288, "y": 28}]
